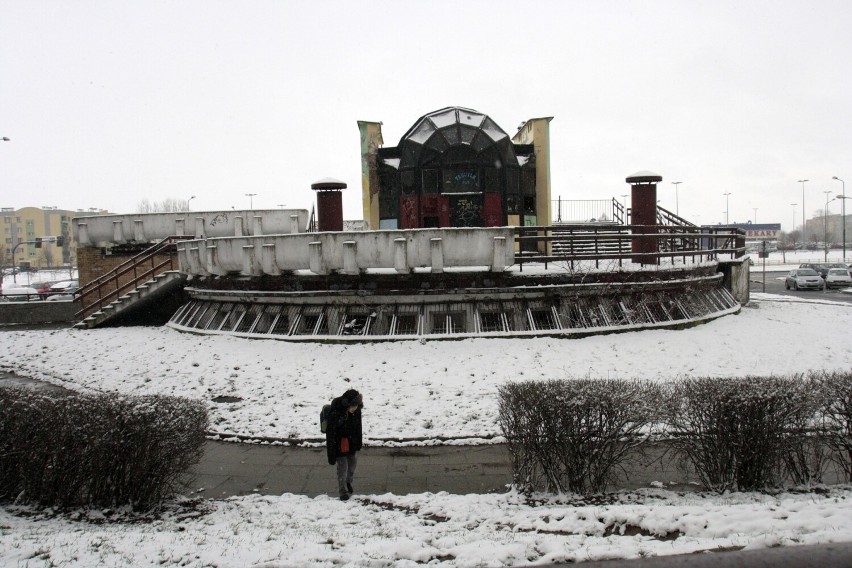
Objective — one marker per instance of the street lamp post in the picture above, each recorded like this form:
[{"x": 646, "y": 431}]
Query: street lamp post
[
  {"x": 825, "y": 226},
  {"x": 251, "y": 201},
  {"x": 187, "y": 202},
  {"x": 804, "y": 241},
  {"x": 755, "y": 215},
  {"x": 843, "y": 202},
  {"x": 677, "y": 205},
  {"x": 794, "y": 224},
  {"x": 727, "y": 209}
]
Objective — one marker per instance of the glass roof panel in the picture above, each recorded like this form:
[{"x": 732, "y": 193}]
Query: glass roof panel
[
  {"x": 422, "y": 133},
  {"x": 445, "y": 118},
  {"x": 493, "y": 131},
  {"x": 451, "y": 133},
  {"x": 467, "y": 134},
  {"x": 481, "y": 142},
  {"x": 438, "y": 143},
  {"x": 470, "y": 117}
]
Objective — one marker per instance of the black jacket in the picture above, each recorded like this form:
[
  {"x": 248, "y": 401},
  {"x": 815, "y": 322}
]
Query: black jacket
[{"x": 342, "y": 423}]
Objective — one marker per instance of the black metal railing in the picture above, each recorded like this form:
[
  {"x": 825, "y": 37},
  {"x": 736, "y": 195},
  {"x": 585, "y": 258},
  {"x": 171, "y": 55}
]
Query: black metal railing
[{"x": 596, "y": 243}]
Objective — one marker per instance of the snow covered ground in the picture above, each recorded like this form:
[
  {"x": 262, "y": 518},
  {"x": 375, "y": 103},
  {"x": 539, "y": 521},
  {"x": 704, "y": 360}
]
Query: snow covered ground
[
  {"x": 418, "y": 389},
  {"x": 410, "y": 530},
  {"x": 423, "y": 389}
]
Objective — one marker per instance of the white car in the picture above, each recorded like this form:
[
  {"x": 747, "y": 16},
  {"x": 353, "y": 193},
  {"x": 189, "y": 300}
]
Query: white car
[
  {"x": 838, "y": 278},
  {"x": 19, "y": 295}
]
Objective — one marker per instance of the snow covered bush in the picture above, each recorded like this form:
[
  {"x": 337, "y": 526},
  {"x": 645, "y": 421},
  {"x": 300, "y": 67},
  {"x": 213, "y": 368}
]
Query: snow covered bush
[
  {"x": 836, "y": 416},
  {"x": 100, "y": 450},
  {"x": 573, "y": 435},
  {"x": 738, "y": 432}
]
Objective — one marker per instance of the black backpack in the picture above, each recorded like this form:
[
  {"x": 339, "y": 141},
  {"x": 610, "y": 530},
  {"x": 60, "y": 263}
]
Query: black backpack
[{"x": 324, "y": 413}]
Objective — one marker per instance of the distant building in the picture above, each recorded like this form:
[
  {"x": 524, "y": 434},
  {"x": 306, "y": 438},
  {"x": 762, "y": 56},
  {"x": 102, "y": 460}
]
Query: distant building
[
  {"x": 28, "y": 224},
  {"x": 756, "y": 233}
]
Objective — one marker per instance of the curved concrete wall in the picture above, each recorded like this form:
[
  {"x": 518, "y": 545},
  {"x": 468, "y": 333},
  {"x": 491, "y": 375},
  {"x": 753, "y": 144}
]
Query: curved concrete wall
[
  {"x": 350, "y": 252},
  {"x": 151, "y": 227}
]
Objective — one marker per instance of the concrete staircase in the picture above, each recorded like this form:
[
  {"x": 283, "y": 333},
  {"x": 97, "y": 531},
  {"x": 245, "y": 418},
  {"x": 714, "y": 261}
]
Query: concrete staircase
[{"x": 147, "y": 297}]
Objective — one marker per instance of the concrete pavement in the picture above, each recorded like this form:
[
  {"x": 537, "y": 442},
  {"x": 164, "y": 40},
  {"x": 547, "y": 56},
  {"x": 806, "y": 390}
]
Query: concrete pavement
[{"x": 229, "y": 469}]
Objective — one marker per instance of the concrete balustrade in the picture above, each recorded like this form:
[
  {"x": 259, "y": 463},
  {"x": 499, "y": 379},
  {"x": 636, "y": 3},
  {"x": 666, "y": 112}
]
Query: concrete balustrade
[
  {"x": 436, "y": 247},
  {"x": 100, "y": 230},
  {"x": 316, "y": 261},
  {"x": 498, "y": 262},
  {"x": 400, "y": 259},
  {"x": 350, "y": 261},
  {"x": 117, "y": 232},
  {"x": 139, "y": 231},
  {"x": 354, "y": 252}
]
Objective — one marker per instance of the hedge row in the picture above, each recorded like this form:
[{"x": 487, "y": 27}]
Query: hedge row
[
  {"x": 97, "y": 450},
  {"x": 745, "y": 433}
]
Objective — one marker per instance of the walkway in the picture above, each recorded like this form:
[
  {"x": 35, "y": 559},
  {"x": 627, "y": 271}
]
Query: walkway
[{"x": 229, "y": 469}]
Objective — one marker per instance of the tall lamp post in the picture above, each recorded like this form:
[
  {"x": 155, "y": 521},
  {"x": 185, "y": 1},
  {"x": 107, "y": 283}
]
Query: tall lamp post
[
  {"x": 825, "y": 225},
  {"x": 727, "y": 195},
  {"x": 794, "y": 224},
  {"x": 843, "y": 201},
  {"x": 251, "y": 200},
  {"x": 677, "y": 204},
  {"x": 187, "y": 202},
  {"x": 755, "y": 216},
  {"x": 804, "y": 241}
]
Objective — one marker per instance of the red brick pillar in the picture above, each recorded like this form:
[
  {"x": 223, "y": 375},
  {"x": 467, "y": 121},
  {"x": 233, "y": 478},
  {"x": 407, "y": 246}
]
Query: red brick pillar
[
  {"x": 329, "y": 204},
  {"x": 643, "y": 205}
]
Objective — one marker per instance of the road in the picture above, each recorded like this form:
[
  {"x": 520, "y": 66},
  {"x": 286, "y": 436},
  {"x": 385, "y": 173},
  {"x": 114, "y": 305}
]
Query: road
[{"x": 775, "y": 285}]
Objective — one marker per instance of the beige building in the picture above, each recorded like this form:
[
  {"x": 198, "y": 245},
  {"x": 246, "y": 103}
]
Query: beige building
[{"x": 22, "y": 226}]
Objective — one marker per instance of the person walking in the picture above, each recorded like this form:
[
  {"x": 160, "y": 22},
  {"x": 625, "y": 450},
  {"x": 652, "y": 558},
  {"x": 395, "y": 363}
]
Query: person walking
[{"x": 343, "y": 438}]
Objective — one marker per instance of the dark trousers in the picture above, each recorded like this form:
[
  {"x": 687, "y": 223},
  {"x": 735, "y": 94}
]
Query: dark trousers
[{"x": 345, "y": 472}]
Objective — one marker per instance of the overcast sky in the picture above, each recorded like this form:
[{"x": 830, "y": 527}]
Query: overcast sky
[{"x": 110, "y": 102}]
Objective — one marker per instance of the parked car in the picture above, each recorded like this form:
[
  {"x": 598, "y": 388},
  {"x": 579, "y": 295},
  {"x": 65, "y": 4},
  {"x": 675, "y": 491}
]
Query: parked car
[
  {"x": 804, "y": 279},
  {"x": 822, "y": 269},
  {"x": 43, "y": 288},
  {"x": 65, "y": 287},
  {"x": 837, "y": 265},
  {"x": 838, "y": 278},
  {"x": 19, "y": 294},
  {"x": 61, "y": 297}
]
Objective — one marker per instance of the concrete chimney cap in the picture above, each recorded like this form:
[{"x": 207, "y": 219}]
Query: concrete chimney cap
[
  {"x": 644, "y": 177},
  {"x": 328, "y": 183}
]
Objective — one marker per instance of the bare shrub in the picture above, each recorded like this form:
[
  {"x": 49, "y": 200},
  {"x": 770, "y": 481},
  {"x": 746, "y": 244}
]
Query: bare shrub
[
  {"x": 573, "y": 435},
  {"x": 836, "y": 416},
  {"x": 737, "y": 432},
  {"x": 100, "y": 450}
]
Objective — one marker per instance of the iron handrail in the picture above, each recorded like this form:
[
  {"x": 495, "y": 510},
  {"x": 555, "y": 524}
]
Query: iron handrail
[{"x": 112, "y": 278}]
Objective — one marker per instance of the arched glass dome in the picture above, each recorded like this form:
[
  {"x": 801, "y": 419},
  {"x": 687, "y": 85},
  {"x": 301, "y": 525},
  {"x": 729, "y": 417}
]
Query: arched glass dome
[{"x": 470, "y": 134}]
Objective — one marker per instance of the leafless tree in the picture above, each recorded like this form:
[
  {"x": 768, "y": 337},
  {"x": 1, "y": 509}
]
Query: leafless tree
[{"x": 168, "y": 205}]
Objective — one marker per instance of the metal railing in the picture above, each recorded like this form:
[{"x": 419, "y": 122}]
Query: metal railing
[
  {"x": 586, "y": 210},
  {"x": 596, "y": 243},
  {"x": 128, "y": 276}
]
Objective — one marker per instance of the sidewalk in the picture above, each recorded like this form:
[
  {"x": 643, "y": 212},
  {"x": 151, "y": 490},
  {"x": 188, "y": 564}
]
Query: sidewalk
[{"x": 230, "y": 469}]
